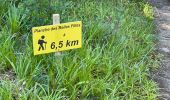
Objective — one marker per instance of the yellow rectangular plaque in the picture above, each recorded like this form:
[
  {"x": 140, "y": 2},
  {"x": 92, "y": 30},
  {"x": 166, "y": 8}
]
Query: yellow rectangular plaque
[{"x": 54, "y": 38}]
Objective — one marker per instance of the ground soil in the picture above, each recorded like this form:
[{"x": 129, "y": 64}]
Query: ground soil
[{"x": 162, "y": 20}]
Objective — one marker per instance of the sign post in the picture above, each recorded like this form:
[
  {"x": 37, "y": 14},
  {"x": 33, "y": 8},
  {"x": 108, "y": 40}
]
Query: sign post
[
  {"x": 56, "y": 38},
  {"x": 56, "y": 20}
]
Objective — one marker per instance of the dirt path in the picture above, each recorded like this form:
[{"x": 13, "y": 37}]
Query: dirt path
[{"x": 162, "y": 76}]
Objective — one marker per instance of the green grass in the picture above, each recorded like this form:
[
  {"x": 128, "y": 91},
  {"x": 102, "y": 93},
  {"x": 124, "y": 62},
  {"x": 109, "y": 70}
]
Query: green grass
[{"x": 113, "y": 64}]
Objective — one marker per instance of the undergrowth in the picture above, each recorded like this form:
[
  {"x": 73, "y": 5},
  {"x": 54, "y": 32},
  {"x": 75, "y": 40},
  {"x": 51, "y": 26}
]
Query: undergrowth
[{"x": 113, "y": 64}]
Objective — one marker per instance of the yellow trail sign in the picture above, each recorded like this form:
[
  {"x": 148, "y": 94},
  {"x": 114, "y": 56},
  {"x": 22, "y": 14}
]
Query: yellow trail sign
[{"x": 54, "y": 38}]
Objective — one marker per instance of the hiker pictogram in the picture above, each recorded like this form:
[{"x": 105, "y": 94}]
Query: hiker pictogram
[{"x": 42, "y": 43}]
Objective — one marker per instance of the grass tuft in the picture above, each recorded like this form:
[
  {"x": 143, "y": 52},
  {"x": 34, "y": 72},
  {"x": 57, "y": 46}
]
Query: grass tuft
[{"x": 113, "y": 64}]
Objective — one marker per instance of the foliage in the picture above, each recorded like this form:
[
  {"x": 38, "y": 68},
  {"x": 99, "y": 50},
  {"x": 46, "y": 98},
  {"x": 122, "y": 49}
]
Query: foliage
[
  {"x": 15, "y": 19},
  {"x": 148, "y": 11},
  {"x": 113, "y": 63}
]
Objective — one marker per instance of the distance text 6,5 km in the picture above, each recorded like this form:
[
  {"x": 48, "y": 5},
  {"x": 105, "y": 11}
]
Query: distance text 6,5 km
[{"x": 62, "y": 44}]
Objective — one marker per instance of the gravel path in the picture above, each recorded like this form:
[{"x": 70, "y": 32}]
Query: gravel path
[{"x": 162, "y": 19}]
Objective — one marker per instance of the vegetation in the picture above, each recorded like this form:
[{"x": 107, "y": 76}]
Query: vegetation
[{"x": 113, "y": 63}]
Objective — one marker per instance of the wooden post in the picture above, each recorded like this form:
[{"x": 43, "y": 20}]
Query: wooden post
[{"x": 56, "y": 20}]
